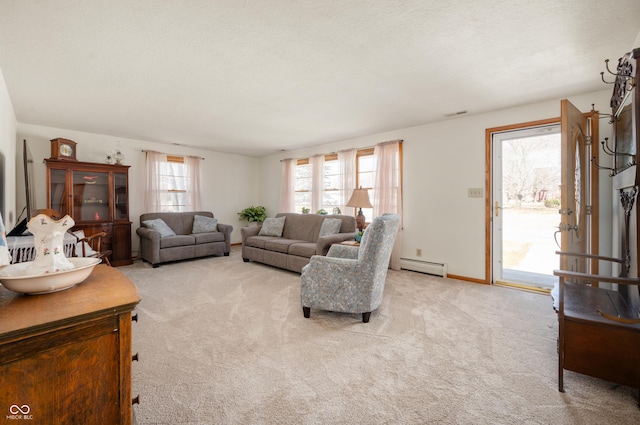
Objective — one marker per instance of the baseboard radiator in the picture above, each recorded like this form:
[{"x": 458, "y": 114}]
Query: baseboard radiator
[{"x": 438, "y": 269}]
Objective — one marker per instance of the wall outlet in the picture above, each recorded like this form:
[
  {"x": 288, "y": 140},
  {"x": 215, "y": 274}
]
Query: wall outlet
[
  {"x": 475, "y": 192},
  {"x": 418, "y": 252}
]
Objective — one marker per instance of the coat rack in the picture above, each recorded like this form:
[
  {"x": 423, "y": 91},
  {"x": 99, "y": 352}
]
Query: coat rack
[{"x": 624, "y": 84}]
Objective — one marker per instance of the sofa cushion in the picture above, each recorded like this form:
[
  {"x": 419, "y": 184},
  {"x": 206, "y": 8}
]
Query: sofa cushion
[
  {"x": 177, "y": 240},
  {"x": 306, "y": 227},
  {"x": 330, "y": 226},
  {"x": 280, "y": 245},
  {"x": 208, "y": 237},
  {"x": 180, "y": 222},
  {"x": 272, "y": 227},
  {"x": 258, "y": 241},
  {"x": 303, "y": 249},
  {"x": 160, "y": 226},
  {"x": 202, "y": 224}
]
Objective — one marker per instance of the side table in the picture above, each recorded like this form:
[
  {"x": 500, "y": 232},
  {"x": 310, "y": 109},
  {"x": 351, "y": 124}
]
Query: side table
[{"x": 350, "y": 243}]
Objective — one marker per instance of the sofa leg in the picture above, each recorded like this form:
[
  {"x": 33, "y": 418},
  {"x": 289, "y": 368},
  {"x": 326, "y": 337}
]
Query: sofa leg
[
  {"x": 306, "y": 311},
  {"x": 226, "y": 254},
  {"x": 366, "y": 316},
  {"x": 155, "y": 266},
  {"x": 246, "y": 260}
]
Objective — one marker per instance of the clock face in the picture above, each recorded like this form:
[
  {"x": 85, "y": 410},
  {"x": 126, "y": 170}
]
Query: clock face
[{"x": 66, "y": 150}]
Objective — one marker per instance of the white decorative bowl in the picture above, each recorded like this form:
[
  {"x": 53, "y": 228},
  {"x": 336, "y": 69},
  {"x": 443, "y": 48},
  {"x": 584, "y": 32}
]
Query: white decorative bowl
[{"x": 13, "y": 278}]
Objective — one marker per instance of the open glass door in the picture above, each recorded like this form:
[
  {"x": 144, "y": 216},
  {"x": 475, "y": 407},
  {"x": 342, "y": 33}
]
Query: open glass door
[{"x": 526, "y": 199}]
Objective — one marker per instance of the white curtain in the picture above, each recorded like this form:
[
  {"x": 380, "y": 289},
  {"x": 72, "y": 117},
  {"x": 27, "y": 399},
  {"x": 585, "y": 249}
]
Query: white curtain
[
  {"x": 347, "y": 160},
  {"x": 287, "y": 186},
  {"x": 388, "y": 189},
  {"x": 153, "y": 191},
  {"x": 156, "y": 180},
  {"x": 317, "y": 182},
  {"x": 192, "y": 183}
]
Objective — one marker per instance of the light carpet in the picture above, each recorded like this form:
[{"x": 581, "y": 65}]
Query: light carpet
[{"x": 225, "y": 342}]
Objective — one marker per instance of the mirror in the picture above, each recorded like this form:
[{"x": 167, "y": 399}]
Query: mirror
[{"x": 625, "y": 148}]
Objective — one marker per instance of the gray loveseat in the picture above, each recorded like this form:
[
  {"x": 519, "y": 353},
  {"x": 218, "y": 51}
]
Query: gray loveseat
[
  {"x": 184, "y": 244},
  {"x": 299, "y": 241}
]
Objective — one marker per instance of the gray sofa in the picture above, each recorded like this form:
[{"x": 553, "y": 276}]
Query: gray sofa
[
  {"x": 299, "y": 241},
  {"x": 184, "y": 244}
]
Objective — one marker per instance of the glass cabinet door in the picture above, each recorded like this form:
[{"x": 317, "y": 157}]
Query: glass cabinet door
[
  {"x": 90, "y": 196},
  {"x": 121, "y": 196},
  {"x": 58, "y": 191}
]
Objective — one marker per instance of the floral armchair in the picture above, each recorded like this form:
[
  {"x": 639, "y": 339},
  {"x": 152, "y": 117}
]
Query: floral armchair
[{"x": 351, "y": 279}]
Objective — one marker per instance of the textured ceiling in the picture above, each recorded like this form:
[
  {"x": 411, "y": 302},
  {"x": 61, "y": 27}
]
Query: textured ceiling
[{"x": 257, "y": 77}]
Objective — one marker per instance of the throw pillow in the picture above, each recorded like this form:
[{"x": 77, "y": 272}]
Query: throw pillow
[
  {"x": 203, "y": 224},
  {"x": 88, "y": 251},
  {"x": 330, "y": 226},
  {"x": 272, "y": 227},
  {"x": 160, "y": 226}
]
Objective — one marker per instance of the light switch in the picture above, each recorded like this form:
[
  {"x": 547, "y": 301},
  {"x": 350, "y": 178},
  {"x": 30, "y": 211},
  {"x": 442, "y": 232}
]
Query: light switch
[{"x": 476, "y": 192}]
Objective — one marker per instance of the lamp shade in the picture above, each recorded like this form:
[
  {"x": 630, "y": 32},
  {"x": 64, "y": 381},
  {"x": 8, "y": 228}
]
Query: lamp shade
[{"x": 360, "y": 199}]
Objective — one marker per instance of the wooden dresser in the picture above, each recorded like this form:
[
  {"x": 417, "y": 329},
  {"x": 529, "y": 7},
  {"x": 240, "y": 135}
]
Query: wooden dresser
[{"x": 65, "y": 357}]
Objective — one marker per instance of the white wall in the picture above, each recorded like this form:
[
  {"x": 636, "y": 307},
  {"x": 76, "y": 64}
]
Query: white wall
[
  {"x": 7, "y": 157},
  {"x": 228, "y": 181},
  {"x": 441, "y": 161}
]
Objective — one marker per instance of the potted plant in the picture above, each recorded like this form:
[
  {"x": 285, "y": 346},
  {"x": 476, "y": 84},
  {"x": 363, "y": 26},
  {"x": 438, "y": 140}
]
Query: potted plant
[
  {"x": 253, "y": 214},
  {"x": 336, "y": 210},
  {"x": 305, "y": 210},
  {"x": 321, "y": 211}
]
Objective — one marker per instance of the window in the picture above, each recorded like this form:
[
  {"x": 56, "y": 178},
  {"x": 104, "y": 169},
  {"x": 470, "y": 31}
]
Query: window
[
  {"x": 173, "y": 183},
  {"x": 366, "y": 174},
  {"x": 303, "y": 186},
  {"x": 332, "y": 185},
  {"x": 328, "y": 181}
]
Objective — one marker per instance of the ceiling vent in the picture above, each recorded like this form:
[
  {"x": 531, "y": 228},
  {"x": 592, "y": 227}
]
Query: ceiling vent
[{"x": 455, "y": 114}]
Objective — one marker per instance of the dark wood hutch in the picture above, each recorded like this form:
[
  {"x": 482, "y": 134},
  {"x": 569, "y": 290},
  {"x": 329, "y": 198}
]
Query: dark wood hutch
[{"x": 96, "y": 196}]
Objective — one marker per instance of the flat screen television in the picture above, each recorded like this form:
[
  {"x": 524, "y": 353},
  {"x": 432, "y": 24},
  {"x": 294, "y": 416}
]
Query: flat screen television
[{"x": 27, "y": 164}]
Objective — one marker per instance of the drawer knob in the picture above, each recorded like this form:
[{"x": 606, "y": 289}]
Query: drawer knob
[
  {"x": 134, "y": 317},
  {"x": 134, "y": 358},
  {"x": 135, "y": 400}
]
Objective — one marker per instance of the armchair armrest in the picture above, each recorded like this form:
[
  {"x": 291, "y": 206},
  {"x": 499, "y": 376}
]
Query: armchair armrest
[
  {"x": 338, "y": 269},
  {"x": 324, "y": 243},
  {"x": 343, "y": 251}
]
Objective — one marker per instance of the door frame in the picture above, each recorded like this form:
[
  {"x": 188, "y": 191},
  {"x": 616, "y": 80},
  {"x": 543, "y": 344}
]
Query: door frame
[
  {"x": 595, "y": 186},
  {"x": 488, "y": 213}
]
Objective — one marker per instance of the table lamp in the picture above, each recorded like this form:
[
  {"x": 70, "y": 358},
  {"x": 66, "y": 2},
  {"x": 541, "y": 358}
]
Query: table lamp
[{"x": 360, "y": 199}]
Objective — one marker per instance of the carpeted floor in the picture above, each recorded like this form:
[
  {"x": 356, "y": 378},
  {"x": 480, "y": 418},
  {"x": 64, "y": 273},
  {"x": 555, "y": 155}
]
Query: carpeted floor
[{"x": 225, "y": 342}]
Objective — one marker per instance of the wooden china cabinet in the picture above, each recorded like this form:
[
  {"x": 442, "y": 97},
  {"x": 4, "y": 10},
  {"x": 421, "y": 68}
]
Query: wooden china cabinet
[{"x": 96, "y": 196}]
